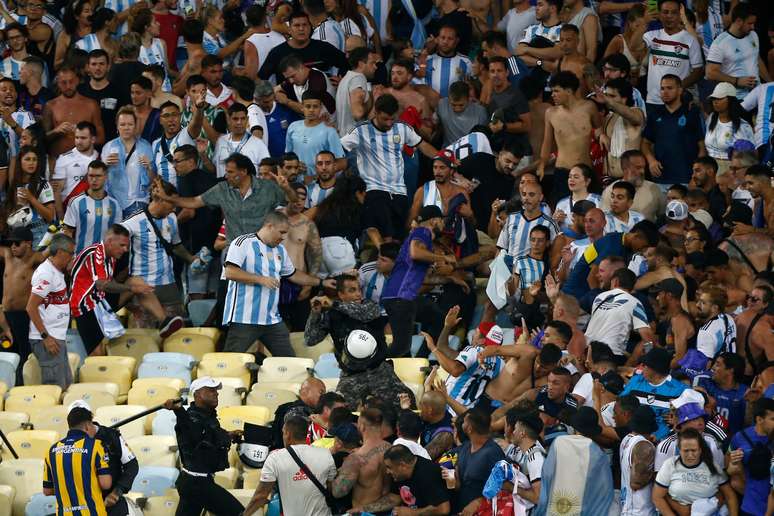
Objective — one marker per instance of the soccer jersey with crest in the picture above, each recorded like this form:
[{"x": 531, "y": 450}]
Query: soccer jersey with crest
[
  {"x": 91, "y": 218},
  {"x": 147, "y": 256}
]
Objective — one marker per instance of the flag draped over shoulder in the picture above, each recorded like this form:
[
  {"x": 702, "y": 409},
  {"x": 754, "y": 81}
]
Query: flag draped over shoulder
[
  {"x": 576, "y": 479},
  {"x": 418, "y": 35}
]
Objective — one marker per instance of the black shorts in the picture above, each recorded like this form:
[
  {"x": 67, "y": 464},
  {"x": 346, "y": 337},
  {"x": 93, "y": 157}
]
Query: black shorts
[
  {"x": 386, "y": 212},
  {"x": 89, "y": 330}
]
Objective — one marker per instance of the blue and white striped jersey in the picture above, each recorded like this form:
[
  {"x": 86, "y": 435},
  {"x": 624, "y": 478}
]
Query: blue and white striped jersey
[
  {"x": 616, "y": 225},
  {"x": 120, "y": 6},
  {"x": 470, "y": 144},
  {"x": 254, "y": 304},
  {"x": 718, "y": 335},
  {"x": 163, "y": 164},
  {"x": 443, "y": 71},
  {"x": 762, "y": 97},
  {"x": 514, "y": 237},
  {"x": 331, "y": 32},
  {"x": 380, "y": 10},
  {"x": 372, "y": 283},
  {"x": 213, "y": 44},
  {"x": 156, "y": 55},
  {"x": 470, "y": 385},
  {"x": 565, "y": 205},
  {"x": 431, "y": 196},
  {"x": 550, "y": 33},
  {"x": 379, "y": 154},
  {"x": 529, "y": 270},
  {"x": 147, "y": 256},
  {"x": 88, "y": 43},
  {"x": 10, "y": 67},
  {"x": 315, "y": 194},
  {"x": 91, "y": 218},
  {"x": 24, "y": 119}
]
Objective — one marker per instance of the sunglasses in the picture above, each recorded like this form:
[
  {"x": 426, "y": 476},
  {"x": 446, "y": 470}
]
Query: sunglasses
[{"x": 753, "y": 299}]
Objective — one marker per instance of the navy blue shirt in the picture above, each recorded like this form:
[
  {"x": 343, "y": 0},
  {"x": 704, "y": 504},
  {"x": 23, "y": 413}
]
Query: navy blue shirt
[
  {"x": 577, "y": 284},
  {"x": 730, "y": 403},
  {"x": 474, "y": 470},
  {"x": 277, "y": 123},
  {"x": 675, "y": 137}
]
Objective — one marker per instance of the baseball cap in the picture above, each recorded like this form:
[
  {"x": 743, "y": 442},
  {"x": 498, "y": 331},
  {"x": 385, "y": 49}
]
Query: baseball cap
[
  {"x": 204, "y": 381},
  {"x": 670, "y": 285},
  {"x": 677, "y": 210},
  {"x": 22, "y": 234},
  {"x": 429, "y": 212},
  {"x": 78, "y": 404},
  {"x": 690, "y": 411},
  {"x": 612, "y": 382},
  {"x": 657, "y": 359},
  {"x": 493, "y": 334},
  {"x": 739, "y": 212},
  {"x": 447, "y": 157},
  {"x": 346, "y": 433},
  {"x": 581, "y": 207},
  {"x": 263, "y": 88},
  {"x": 723, "y": 90},
  {"x": 703, "y": 216}
]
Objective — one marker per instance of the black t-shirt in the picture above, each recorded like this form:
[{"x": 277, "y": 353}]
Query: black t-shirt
[
  {"x": 425, "y": 488},
  {"x": 203, "y": 228},
  {"x": 459, "y": 20},
  {"x": 108, "y": 101},
  {"x": 493, "y": 185},
  {"x": 121, "y": 74},
  {"x": 317, "y": 54}
]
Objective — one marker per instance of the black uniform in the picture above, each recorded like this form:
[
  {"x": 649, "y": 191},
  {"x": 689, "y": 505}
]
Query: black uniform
[
  {"x": 123, "y": 467},
  {"x": 203, "y": 447}
]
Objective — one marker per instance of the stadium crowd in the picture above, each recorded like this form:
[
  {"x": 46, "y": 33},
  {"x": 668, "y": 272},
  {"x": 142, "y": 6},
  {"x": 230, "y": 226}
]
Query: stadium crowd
[{"x": 566, "y": 207}]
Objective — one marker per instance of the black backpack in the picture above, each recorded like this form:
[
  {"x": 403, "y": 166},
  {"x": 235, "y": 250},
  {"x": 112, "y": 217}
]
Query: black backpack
[{"x": 759, "y": 460}]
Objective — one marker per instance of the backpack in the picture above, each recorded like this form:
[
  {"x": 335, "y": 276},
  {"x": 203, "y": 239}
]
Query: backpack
[{"x": 759, "y": 460}]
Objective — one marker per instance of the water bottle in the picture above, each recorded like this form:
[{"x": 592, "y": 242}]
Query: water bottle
[
  {"x": 202, "y": 262},
  {"x": 52, "y": 230}
]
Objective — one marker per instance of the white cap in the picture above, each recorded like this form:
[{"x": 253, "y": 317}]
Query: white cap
[
  {"x": 686, "y": 397},
  {"x": 360, "y": 344},
  {"x": 204, "y": 381},
  {"x": 703, "y": 216},
  {"x": 78, "y": 404},
  {"x": 723, "y": 90},
  {"x": 677, "y": 210}
]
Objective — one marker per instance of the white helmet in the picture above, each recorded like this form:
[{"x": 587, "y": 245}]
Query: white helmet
[{"x": 361, "y": 344}]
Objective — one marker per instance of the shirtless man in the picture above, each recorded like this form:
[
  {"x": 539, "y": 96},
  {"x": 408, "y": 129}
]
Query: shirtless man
[
  {"x": 362, "y": 472},
  {"x": 441, "y": 190},
  {"x": 660, "y": 260},
  {"x": 749, "y": 252},
  {"x": 572, "y": 60},
  {"x": 20, "y": 262},
  {"x": 401, "y": 74},
  {"x": 721, "y": 274},
  {"x": 62, "y": 113},
  {"x": 754, "y": 328},
  {"x": 568, "y": 128}
]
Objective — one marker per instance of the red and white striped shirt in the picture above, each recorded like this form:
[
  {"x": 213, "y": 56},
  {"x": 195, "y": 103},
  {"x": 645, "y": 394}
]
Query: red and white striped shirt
[{"x": 91, "y": 265}]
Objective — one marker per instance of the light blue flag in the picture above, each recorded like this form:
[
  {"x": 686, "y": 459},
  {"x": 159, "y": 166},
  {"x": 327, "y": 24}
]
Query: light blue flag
[{"x": 418, "y": 35}]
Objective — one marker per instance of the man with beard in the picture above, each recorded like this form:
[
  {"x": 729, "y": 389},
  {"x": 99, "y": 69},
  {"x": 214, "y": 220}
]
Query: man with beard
[
  {"x": 322, "y": 186},
  {"x": 440, "y": 191},
  {"x": 754, "y": 327},
  {"x": 718, "y": 331},
  {"x": 675, "y": 327},
  {"x": 100, "y": 89},
  {"x": 62, "y": 113},
  {"x": 568, "y": 243},
  {"x": 511, "y": 120},
  {"x": 401, "y": 87},
  {"x": 446, "y": 65},
  {"x": 173, "y": 136},
  {"x": 648, "y": 198},
  {"x": 12, "y": 120},
  {"x": 705, "y": 170}
]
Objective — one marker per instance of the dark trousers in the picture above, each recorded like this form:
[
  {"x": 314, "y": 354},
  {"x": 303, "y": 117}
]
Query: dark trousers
[
  {"x": 401, "y": 313},
  {"x": 19, "y": 322},
  {"x": 197, "y": 493}
]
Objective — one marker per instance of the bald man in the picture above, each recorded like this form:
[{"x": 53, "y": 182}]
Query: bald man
[
  {"x": 436, "y": 437},
  {"x": 305, "y": 405}
]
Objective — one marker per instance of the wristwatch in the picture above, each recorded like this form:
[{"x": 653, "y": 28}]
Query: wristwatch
[
  {"x": 43, "y": 335},
  {"x": 539, "y": 63}
]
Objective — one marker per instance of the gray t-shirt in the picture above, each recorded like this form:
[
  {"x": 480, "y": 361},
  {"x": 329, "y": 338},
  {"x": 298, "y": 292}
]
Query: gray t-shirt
[
  {"x": 512, "y": 103},
  {"x": 350, "y": 82},
  {"x": 457, "y": 125}
]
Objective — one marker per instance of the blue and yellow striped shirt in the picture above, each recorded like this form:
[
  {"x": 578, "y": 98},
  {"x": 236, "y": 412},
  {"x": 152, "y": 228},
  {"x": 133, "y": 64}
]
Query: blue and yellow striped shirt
[{"x": 72, "y": 466}]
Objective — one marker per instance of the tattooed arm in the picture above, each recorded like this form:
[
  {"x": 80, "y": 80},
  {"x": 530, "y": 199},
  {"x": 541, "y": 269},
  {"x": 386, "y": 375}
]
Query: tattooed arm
[
  {"x": 347, "y": 476},
  {"x": 383, "y": 504},
  {"x": 313, "y": 250},
  {"x": 643, "y": 458},
  {"x": 441, "y": 443}
]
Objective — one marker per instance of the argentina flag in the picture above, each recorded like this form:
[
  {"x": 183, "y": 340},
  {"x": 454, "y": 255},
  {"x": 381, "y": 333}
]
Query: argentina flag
[
  {"x": 418, "y": 34},
  {"x": 576, "y": 479}
]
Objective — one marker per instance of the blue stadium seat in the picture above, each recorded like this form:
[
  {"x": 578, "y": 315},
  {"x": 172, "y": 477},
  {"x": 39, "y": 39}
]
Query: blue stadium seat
[
  {"x": 169, "y": 357},
  {"x": 478, "y": 313},
  {"x": 154, "y": 480},
  {"x": 164, "y": 370},
  {"x": 327, "y": 357},
  {"x": 11, "y": 358},
  {"x": 327, "y": 369},
  {"x": 40, "y": 505},
  {"x": 199, "y": 310},
  {"x": 416, "y": 343},
  {"x": 164, "y": 423},
  {"x": 8, "y": 374}
]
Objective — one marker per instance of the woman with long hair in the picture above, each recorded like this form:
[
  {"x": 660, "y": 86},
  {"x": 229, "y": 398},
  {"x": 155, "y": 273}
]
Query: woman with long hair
[
  {"x": 579, "y": 181},
  {"x": 103, "y": 23},
  {"x": 30, "y": 200},
  {"x": 630, "y": 43},
  {"x": 725, "y": 125},
  {"x": 153, "y": 49},
  {"x": 690, "y": 477},
  {"x": 338, "y": 222},
  {"x": 77, "y": 25},
  {"x": 355, "y": 20}
]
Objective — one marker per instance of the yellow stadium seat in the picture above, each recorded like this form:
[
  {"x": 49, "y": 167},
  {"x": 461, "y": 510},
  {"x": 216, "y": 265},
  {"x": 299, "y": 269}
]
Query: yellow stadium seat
[
  {"x": 28, "y": 404},
  {"x": 96, "y": 394},
  {"x": 212, "y": 333},
  {"x": 30, "y": 444},
  {"x": 173, "y": 383},
  {"x": 250, "y": 478},
  {"x": 124, "y": 361},
  {"x": 417, "y": 388},
  {"x": 285, "y": 386},
  {"x": 231, "y": 382},
  {"x": 11, "y": 421},
  {"x": 154, "y": 450},
  {"x": 26, "y": 477},
  {"x": 51, "y": 418},
  {"x": 284, "y": 369},
  {"x": 144, "y": 332},
  {"x": 151, "y": 395},
  {"x": 313, "y": 352},
  {"x": 3, "y": 390},
  {"x": 409, "y": 370},
  {"x": 53, "y": 391},
  {"x": 196, "y": 345},
  {"x": 232, "y": 393},
  {"x": 227, "y": 478},
  {"x": 267, "y": 396},
  {"x": 234, "y": 418},
  {"x": 109, "y": 416},
  {"x": 119, "y": 370},
  {"x": 7, "y": 494},
  {"x": 226, "y": 364},
  {"x": 160, "y": 506},
  {"x": 133, "y": 345},
  {"x": 31, "y": 368}
]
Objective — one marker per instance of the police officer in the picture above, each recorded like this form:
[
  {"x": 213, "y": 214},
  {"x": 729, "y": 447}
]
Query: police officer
[
  {"x": 203, "y": 447},
  {"x": 123, "y": 466}
]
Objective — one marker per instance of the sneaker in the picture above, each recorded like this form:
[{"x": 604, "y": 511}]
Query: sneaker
[{"x": 170, "y": 326}]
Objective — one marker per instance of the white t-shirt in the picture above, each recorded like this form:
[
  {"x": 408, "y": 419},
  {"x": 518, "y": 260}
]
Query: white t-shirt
[
  {"x": 264, "y": 43},
  {"x": 722, "y": 137},
  {"x": 515, "y": 23},
  {"x": 298, "y": 494},
  {"x": 49, "y": 283},
  {"x": 585, "y": 388},
  {"x": 686, "y": 485},
  {"x": 737, "y": 57},
  {"x": 677, "y": 54},
  {"x": 257, "y": 118},
  {"x": 614, "y": 315},
  {"x": 71, "y": 167},
  {"x": 761, "y": 97},
  {"x": 416, "y": 448},
  {"x": 249, "y": 145}
]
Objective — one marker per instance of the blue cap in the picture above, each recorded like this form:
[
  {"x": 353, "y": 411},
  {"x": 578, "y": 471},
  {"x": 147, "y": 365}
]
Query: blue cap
[{"x": 690, "y": 411}]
